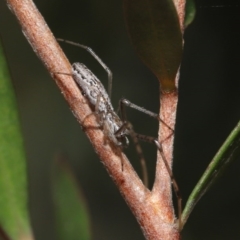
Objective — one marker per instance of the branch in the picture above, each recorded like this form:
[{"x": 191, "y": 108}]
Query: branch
[
  {"x": 149, "y": 212},
  {"x": 162, "y": 190}
]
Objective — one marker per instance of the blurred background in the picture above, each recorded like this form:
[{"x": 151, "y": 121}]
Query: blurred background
[{"x": 208, "y": 110}]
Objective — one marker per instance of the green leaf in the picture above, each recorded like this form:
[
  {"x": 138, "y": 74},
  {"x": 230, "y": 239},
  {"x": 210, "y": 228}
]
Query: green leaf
[
  {"x": 225, "y": 155},
  {"x": 154, "y": 29},
  {"x": 72, "y": 218},
  {"x": 190, "y": 12},
  {"x": 14, "y": 219}
]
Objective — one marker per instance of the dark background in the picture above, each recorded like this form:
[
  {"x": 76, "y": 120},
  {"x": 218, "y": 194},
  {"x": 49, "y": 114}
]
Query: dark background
[{"x": 208, "y": 110}]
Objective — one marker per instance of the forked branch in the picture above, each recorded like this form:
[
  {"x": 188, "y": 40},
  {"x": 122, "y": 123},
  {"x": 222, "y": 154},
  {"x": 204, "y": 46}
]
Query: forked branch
[{"x": 149, "y": 212}]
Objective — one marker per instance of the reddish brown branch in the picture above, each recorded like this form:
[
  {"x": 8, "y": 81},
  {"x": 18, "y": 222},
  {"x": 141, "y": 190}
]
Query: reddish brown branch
[
  {"x": 154, "y": 217},
  {"x": 162, "y": 190}
]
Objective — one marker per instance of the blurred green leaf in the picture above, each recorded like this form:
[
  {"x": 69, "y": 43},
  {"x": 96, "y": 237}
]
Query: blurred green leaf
[
  {"x": 71, "y": 212},
  {"x": 190, "y": 12},
  {"x": 154, "y": 29},
  {"x": 14, "y": 219},
  {"x": 225, "y": 155}
]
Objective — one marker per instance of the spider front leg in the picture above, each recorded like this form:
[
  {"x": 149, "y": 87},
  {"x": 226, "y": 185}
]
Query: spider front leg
[
  {"x": 105, "y": 67},
  {"x": 125, "y": 102}
]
